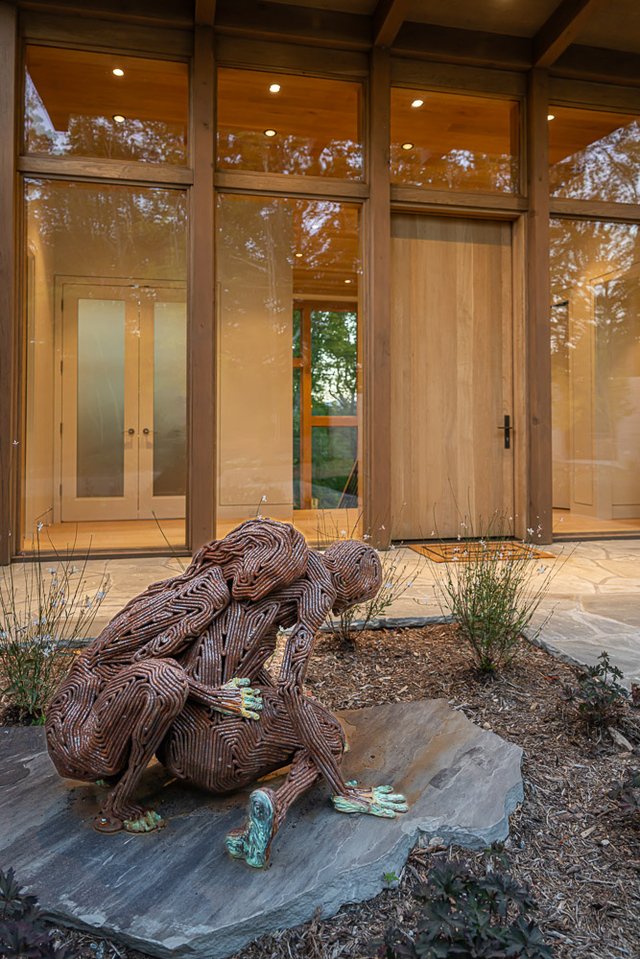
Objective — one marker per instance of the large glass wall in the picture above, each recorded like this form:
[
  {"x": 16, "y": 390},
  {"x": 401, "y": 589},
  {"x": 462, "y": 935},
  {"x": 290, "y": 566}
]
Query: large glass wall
[
  {"x": 106, "y": 364},
  {"x": 289, "y": 374},
  {"x": 595, "y": 354}
]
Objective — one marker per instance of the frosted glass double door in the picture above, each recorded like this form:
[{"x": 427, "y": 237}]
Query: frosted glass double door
[{"x": 123, "y": 403}]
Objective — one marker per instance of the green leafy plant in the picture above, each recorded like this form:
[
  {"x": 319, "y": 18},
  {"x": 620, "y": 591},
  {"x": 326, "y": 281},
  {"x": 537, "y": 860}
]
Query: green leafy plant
[
  {"x": 599, "y": 697},
  {"x": 464, "y": 916},
  {"x": 46, "y": 610},
  {"x": 23, "y": 932},
  {"x": 491, "y": 592}
]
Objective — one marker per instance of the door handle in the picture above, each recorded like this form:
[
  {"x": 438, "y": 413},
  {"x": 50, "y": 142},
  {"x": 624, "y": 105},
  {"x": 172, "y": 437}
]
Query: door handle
[
  {"x": 146, "y": 431},
  {"x": 507, "y": 431},
  {"x": 131, "y": 431}
]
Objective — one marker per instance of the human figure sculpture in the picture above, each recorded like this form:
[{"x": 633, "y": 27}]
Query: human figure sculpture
[{"x": 180, "y": 673}]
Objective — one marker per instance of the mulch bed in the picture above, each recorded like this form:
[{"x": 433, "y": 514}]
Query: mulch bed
[{"x": 569, "y": 841}]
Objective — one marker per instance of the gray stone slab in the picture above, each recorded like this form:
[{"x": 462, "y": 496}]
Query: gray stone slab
[{"x": 175, "y": 893}]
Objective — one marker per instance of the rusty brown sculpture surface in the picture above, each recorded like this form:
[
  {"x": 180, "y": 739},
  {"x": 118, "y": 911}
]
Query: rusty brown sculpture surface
[{"x": 180, "y": 673}]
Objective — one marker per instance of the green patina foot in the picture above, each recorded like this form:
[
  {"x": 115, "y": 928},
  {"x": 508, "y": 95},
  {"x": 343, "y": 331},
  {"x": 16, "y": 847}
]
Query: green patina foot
[
  {"x": 147, "y": 822},
  {"x": 374, "y": 801},
  {"x": 253, "y": 842}
]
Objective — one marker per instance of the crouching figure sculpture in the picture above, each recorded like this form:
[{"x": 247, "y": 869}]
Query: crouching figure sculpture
[{"x": 180, "y": 674}]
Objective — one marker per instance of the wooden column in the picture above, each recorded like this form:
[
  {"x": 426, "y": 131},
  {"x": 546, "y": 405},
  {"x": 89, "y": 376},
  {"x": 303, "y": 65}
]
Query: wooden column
[
  {"x": 202, "y": 349},
  {"x": 377, "y": 373},
  {"x": 538, "y": 301},
  {"x": 8, "y": 342}
]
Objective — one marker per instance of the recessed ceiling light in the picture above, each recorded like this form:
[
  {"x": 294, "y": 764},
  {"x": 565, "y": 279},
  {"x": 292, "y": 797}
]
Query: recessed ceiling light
[
  {"x": 417, "y": 103},
  {"x": 298, "y": 256},
  {"x": 551, "y": 116},
  {"x": 407, "y": 146},
  {"x": 118, "y": 118},
  {"x": 270, "y": 133},
  {"x": 348, "y": 281},
  {"x": 118, "y": 72},
  {"x": 274, "y": 88}
]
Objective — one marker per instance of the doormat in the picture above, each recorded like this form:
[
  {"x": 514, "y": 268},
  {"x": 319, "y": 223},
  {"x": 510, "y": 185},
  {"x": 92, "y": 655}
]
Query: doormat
[{"x": 469, "y": 551}]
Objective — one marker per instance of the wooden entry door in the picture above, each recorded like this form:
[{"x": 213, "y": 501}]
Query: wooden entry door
[
  {"x": 123, "y": 402},
  {"x": 452, "y": 374}
]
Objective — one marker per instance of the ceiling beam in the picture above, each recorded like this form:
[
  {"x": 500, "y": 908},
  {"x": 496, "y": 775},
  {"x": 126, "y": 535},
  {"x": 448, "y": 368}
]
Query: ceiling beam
[
  {"x": 388, "y": 17},
  {"x": 293, "y": 24},
  {"x": 205, "y": 12},
  {"x": 560, "y": 30},
  {"x": 600, "y": 65},
  {"x": 453, "y": 45}
]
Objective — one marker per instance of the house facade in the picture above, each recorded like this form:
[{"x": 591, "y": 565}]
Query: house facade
[{"x": 368, "y": 266}]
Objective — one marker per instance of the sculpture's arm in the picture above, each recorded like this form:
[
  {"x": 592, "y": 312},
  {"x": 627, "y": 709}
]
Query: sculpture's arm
[{"x": 316, "y": 596}]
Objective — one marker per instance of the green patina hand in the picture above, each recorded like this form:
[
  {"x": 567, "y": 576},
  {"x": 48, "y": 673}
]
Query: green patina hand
[
  {"x": 250, "y": 699},
  {"x": 375, "y": 801},
  {"x": 252, "y": 843}
]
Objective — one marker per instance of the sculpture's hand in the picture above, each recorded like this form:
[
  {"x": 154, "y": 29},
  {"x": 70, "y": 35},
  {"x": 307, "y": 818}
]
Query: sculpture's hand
[
  {"x": 373, "y": 801},
  {"x": 235, "y": 698},
  {"x": 241, "y": 699}
]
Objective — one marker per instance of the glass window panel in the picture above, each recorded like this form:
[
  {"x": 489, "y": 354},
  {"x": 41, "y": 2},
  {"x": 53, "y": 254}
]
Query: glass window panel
[
  {"x": 335, "y": 459},
  {"x": 334, "y": 358},
  {"x": 306, "y": 126},
  {"x": 97, "y": 253},
  {"x": 170, "y": 399},
  {"x": 100, "y": 407},
  {"x": 594, "y": 155},
  {"x": 75, "y": 105},
  {"x": 447, "y": 141},
  {"x": 595, "y": 360},
  {"x": 266, "y": 296}
]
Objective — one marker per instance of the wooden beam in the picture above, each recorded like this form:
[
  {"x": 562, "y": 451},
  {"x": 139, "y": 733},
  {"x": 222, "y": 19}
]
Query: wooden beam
[
  {"x": 9, "y": 542},
  {"x": 452, "y": 45},
  {"x": 560, "y": 30},
  {"x": 600, "y": 65},
  {"x": 538, "y": 298},
  {"x": 201, "y": 518},
  {"x": 297, "y": 24},
  {"x": 205, "y": 13},
  {"x": 376, "y": 446},
  {"x": 388, "y": 17},
  {"x": 172, "y": 13},
  {"x": 123, "y": 171}
]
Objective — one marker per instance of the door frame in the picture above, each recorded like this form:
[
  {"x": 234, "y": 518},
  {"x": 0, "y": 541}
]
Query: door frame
[
  {"x": 60, "y": 281},
  {"x": 520, "y": 377}
]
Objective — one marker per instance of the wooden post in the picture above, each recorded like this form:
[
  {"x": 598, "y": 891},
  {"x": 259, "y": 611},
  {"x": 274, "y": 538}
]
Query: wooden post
[
  {"x": 538, "y": 300},
  {"x": 9, "y": 542},
  {"x": 202, "y": 340},
  {"x": 377, "y": 517}
]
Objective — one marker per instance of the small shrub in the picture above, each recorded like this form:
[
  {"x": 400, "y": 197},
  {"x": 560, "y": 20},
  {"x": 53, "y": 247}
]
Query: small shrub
[
  {"x": 627, "y": 794},
  {"x": 598, "y": 698},
  {"x": 46, "y": 609},
  {"x": 491, "y": 594},
  {"x": 463, "y": 916},
  {"x": 23, "y": 932},
  {"x": 398, "y": 576}
]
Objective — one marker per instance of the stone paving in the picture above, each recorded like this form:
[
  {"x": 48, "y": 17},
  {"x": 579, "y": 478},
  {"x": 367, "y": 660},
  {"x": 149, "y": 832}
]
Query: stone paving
[
  {"x": 176, "y": 893},
  {"x": 594, "y": 597}
]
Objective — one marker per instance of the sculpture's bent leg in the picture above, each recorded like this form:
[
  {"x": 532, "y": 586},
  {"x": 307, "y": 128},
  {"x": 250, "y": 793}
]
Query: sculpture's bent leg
[
  {"x": 130, "y": 719},
  {"x": 267, "y": 811}
]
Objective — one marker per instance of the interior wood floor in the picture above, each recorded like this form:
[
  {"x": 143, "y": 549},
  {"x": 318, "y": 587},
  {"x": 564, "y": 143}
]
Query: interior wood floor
[
  {"x": 566, "y": 522},
  {"x": 319, "y": 527}
]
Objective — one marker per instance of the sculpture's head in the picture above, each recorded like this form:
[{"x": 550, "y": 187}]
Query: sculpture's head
[
  {"x": 356, "y": 572},
  {"x": 260, "y": 556}
]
